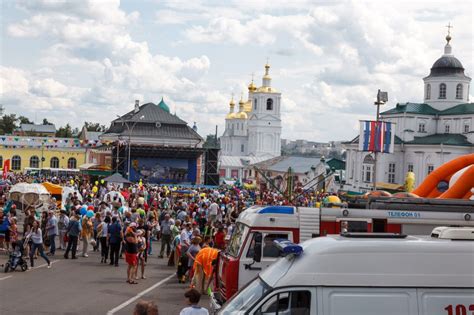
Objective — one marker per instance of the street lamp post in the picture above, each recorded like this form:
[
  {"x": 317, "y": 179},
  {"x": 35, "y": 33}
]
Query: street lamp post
[
  {"x": 382, "y": 98},
  {"x": 130, "y": 130}
]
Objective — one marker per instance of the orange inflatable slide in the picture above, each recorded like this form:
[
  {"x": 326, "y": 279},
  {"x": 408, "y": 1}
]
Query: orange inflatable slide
[{"x": 452, "y": 180}]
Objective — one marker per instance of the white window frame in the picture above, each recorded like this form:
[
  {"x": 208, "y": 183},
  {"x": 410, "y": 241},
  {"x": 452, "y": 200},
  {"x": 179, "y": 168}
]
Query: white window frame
[
  {"x": 447, "y": 128},
  {"x": 430, "y": 169},
  {"x": 459, "y": 91},
  {"x": 428, "y": 91},
  {"x": 442, "y": 91},
  {"x": 422, "y": 127},
  {"x": 466, "y": 128},
  {"x": 391, "y": 173}
]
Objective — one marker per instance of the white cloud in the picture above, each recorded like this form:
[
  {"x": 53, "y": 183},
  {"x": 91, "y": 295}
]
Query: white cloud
[
  {"x": 48, "y": 87},
  {"x": 328, "y": 58}
]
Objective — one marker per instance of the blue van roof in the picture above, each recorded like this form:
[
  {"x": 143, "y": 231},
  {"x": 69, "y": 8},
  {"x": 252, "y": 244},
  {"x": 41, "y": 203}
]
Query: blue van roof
[{"x": 277, "y": 210}]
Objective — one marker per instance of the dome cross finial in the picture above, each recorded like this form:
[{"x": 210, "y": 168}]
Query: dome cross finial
[{"x": 448, "y": 37}]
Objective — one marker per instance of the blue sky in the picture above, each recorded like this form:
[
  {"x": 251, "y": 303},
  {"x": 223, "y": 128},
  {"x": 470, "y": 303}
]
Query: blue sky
[{"x": 75, "y": 61}]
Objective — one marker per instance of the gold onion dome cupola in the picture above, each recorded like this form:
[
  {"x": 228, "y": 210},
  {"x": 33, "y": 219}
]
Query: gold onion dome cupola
[
  {"x": 267, "y": 71},
  {"x": 242, "y": 114},
  {"x": 231, "y": 114},
  {"x": 252, "y": 87}
]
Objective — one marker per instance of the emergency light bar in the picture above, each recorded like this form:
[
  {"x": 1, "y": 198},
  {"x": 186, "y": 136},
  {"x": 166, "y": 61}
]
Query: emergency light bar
[{"x": 288, "y": 248}]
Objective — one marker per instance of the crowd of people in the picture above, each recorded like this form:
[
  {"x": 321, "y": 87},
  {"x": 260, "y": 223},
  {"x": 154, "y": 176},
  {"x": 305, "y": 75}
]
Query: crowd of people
[{"x": 186, "y": 226}]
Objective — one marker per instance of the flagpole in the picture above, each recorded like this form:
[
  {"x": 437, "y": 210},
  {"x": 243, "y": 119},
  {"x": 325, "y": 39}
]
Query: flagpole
[{"x": 381, "y": 99}]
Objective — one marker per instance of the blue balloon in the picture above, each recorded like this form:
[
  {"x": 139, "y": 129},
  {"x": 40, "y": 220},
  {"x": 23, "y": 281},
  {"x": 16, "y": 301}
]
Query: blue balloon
[
  {"x": 83, "y": 211},
  {"x": 90, "y": 214}
]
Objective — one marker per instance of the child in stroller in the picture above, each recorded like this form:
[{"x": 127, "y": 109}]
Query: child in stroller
[{"x": 16, "y": 257}]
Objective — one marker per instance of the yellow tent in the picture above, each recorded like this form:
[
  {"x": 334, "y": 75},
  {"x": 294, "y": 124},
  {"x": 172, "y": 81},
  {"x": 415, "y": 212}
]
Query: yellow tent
[{"x": 53, "y": 188}]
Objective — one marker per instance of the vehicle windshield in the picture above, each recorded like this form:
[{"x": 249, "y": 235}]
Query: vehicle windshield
[
  {"x": 245, "y": 298},
  {"x": 236, "y": 240}
]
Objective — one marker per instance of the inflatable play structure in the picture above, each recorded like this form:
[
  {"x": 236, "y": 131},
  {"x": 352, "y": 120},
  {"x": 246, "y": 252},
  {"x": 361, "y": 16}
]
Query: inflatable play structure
[{"x": 452, "y": 180}]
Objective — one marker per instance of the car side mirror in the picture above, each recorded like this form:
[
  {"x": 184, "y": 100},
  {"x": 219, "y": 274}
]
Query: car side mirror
[{"x": 257, "y": 253}]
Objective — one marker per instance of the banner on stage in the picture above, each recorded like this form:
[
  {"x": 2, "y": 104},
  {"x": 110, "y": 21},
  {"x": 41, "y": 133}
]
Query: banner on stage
[{"x": 376, "y": 136}]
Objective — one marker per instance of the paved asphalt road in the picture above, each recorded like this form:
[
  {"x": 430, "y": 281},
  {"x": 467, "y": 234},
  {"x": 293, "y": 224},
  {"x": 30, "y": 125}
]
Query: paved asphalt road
[{"x": 85, "y": 286}]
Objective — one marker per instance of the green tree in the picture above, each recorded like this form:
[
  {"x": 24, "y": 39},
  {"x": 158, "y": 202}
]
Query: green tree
[
  {"x": 8, "y": 123},
  {"x": 91, "y": 126},
  {"x": 64, "y": 132},
  {"x": 24, "y": 120},
  {"x": 211, "y": 142},
  {"x": 46, "y": 122}
]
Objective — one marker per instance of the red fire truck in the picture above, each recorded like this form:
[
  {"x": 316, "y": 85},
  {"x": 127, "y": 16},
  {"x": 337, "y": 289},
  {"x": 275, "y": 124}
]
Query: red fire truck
[{"x": 251, "y": 248}]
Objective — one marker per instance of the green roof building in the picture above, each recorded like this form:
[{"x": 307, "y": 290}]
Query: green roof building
[{"x": 427, "y": 134}]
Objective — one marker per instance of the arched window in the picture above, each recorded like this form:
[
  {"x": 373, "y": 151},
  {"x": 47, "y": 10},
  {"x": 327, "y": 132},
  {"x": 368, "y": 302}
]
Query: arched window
[
  {"x": 71, "y": 163},
  {"x": 459, "y": 91},
  {"x": 442, "y": 90},
  {"x": 16, "y": 163},
  {"x": 428, "y": 91},
  {"x": 269, "y": 104},
  {"x": 54, "y": 162},
  {"x": 34, "y": 161},
  {"x": 367, "y": 168},
  {"x": 255, "y": 104}
]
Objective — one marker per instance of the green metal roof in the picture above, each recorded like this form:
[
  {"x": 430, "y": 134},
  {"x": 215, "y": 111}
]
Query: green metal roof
[
  {"x": 461, "y": 109},
  {"x": 336, "y": 164},
  {"x": 163, "y": 105},
  {"x": 446, "y": 138},
  {"x": 425, "y": 109},
  {"x": 412, "y": 108}
]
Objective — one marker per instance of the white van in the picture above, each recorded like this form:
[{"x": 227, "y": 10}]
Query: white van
[{"x": 367, "y": 274}]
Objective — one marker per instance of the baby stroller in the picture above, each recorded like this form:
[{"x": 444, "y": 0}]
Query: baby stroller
[{"x": 16, "y": 257}]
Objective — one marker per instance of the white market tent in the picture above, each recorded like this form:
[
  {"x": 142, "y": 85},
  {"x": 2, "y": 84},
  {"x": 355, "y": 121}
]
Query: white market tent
[
  {"x": 30, "y": 195},
  {"x": 65, "y": 194}
]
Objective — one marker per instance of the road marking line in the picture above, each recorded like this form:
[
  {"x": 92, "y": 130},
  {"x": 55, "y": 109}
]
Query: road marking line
[
  {"x": 139, "y": 295},
  {"x": 5, "y": 277}
]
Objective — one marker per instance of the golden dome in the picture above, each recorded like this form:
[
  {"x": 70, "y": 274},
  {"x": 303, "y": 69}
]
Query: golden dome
[
  {"x": 266, "y": 89},
  {"x": 252, "y": 87},
  {"x": 231, "y": 116},
  {"x": 242, "y": 115}
]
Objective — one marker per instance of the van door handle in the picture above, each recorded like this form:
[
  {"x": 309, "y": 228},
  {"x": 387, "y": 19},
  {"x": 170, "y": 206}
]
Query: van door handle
[{"x": 249, "y": 267}]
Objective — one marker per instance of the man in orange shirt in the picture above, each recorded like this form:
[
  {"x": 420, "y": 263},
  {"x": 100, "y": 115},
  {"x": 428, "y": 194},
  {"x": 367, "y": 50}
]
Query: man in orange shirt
[{"x": 203, "y": 268}]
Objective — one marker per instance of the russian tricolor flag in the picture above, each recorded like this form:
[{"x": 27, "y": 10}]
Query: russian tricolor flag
[{"x": 376, "y": 136}]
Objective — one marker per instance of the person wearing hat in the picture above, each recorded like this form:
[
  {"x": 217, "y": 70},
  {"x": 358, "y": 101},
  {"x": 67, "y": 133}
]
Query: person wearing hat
[{"x": 131, "y": 252}]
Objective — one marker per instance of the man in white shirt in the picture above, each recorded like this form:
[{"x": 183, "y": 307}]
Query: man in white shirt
[
  {"x": 185, "y": 237},
  {"x": 213, "y": 209}
]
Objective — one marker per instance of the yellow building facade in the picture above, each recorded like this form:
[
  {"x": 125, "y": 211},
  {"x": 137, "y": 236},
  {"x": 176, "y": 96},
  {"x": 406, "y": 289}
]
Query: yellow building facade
[{"x": 41, "y": 157}]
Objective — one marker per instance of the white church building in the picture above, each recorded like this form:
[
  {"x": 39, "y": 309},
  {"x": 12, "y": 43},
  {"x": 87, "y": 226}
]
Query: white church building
[
  {"x": 252, "y": 130},
  {"x": 427, "y": 134}
]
